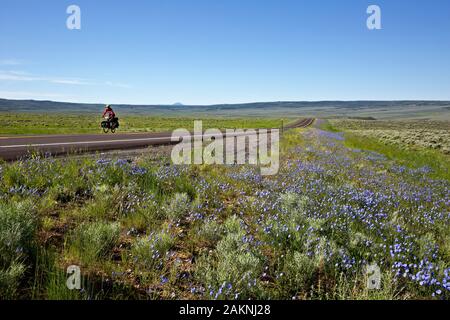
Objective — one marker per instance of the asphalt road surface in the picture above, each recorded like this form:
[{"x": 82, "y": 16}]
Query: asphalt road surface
[{"x": 16, "y": 147}]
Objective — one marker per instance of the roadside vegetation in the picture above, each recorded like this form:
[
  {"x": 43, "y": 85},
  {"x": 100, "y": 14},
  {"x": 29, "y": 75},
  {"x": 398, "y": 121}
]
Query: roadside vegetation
[
  {"x": 59, "y": 123},
  {"x": 139, "y": 228}
]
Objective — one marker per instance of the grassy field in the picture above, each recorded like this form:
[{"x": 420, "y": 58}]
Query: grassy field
[
  {"x": 412, "y": 143},
  {"x": 140, "y": 229},
  {"x": 413, "y": 135},
  {"x": 58, "y": 123}
]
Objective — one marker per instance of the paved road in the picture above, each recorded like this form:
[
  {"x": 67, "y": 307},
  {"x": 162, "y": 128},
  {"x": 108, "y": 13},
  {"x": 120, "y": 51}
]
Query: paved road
[{"x": 15, "y": 147}]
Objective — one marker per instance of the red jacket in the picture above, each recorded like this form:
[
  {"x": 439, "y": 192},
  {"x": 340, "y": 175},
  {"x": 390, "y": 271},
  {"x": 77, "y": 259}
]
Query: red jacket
[{"x": 110, "y": 113}]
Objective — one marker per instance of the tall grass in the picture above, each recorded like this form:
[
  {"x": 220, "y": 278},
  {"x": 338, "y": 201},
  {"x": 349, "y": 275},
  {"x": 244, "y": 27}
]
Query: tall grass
[
  {"x": 49, "y": 279},
  {"x": 91, "y": 242},
  {"x": 18, "y": 226}
]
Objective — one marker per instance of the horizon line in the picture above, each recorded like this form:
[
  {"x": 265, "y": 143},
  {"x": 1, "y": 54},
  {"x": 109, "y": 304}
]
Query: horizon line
[{"x": 225, "y": 104}]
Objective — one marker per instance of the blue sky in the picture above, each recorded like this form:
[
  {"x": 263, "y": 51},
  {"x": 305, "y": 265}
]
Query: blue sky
[{"x": 224, "y": 51}]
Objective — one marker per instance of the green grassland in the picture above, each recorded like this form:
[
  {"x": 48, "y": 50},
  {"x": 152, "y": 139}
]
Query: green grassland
[
  {"x": 59, "y": 123},
  {"x": 348, "y": 194},
  {"x": 412, "y": 143},
  {"x": 140, "y": 229}
]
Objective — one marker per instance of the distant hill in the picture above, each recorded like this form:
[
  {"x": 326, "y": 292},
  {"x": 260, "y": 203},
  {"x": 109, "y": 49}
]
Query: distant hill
[{"x": 368, "y": 109}]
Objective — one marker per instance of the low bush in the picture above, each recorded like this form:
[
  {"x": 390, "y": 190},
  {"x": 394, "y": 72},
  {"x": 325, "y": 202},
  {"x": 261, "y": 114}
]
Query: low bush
[{"x": 178, "y": 206}]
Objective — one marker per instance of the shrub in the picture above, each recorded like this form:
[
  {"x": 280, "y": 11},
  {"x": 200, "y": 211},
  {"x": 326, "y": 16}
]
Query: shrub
[
  {"x": 298, "y": 273},
  {"x": 10, "y": 279},
  {"x": 146, "y": 216},
  {"x": 178, "y": 206},
  {"x": 233, "y": 225},
  {"x": 148, "y": 252},
  {"x": 288, "y": 231},
  {"x": 293, "y": 203},
  {"x": 12, "y": 176},
  {"x": 211, "y": 231},
  {"x": 233, "y": 269}
]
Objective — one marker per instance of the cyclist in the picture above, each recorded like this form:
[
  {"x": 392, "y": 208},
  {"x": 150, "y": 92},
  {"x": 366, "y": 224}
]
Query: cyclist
[{"x": 109, "y": 113}]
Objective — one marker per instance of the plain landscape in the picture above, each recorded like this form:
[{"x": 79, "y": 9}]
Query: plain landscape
[{"x": 367, "y": 184}]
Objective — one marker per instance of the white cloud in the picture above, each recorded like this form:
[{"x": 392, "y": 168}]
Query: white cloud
[
  {"x": 31, "y": 95},
  {"x": 118, "y": 85},
  {"x": 77, "y": 82},
  {"x": 14, "y": 76},
  {"x": 10, "y": 62},
  {"x": 19, "y": 73},
  {"x": 24, "y": 76}
]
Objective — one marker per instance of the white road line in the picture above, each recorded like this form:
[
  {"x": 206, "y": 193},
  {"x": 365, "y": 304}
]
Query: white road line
[
  {"x": 106, "y": 141},
  {"x": 78, "y": 142}
]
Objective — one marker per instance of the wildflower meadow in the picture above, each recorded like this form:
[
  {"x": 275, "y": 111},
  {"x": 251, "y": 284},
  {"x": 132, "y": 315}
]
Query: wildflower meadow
[{"x": 142, "y": 228}]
